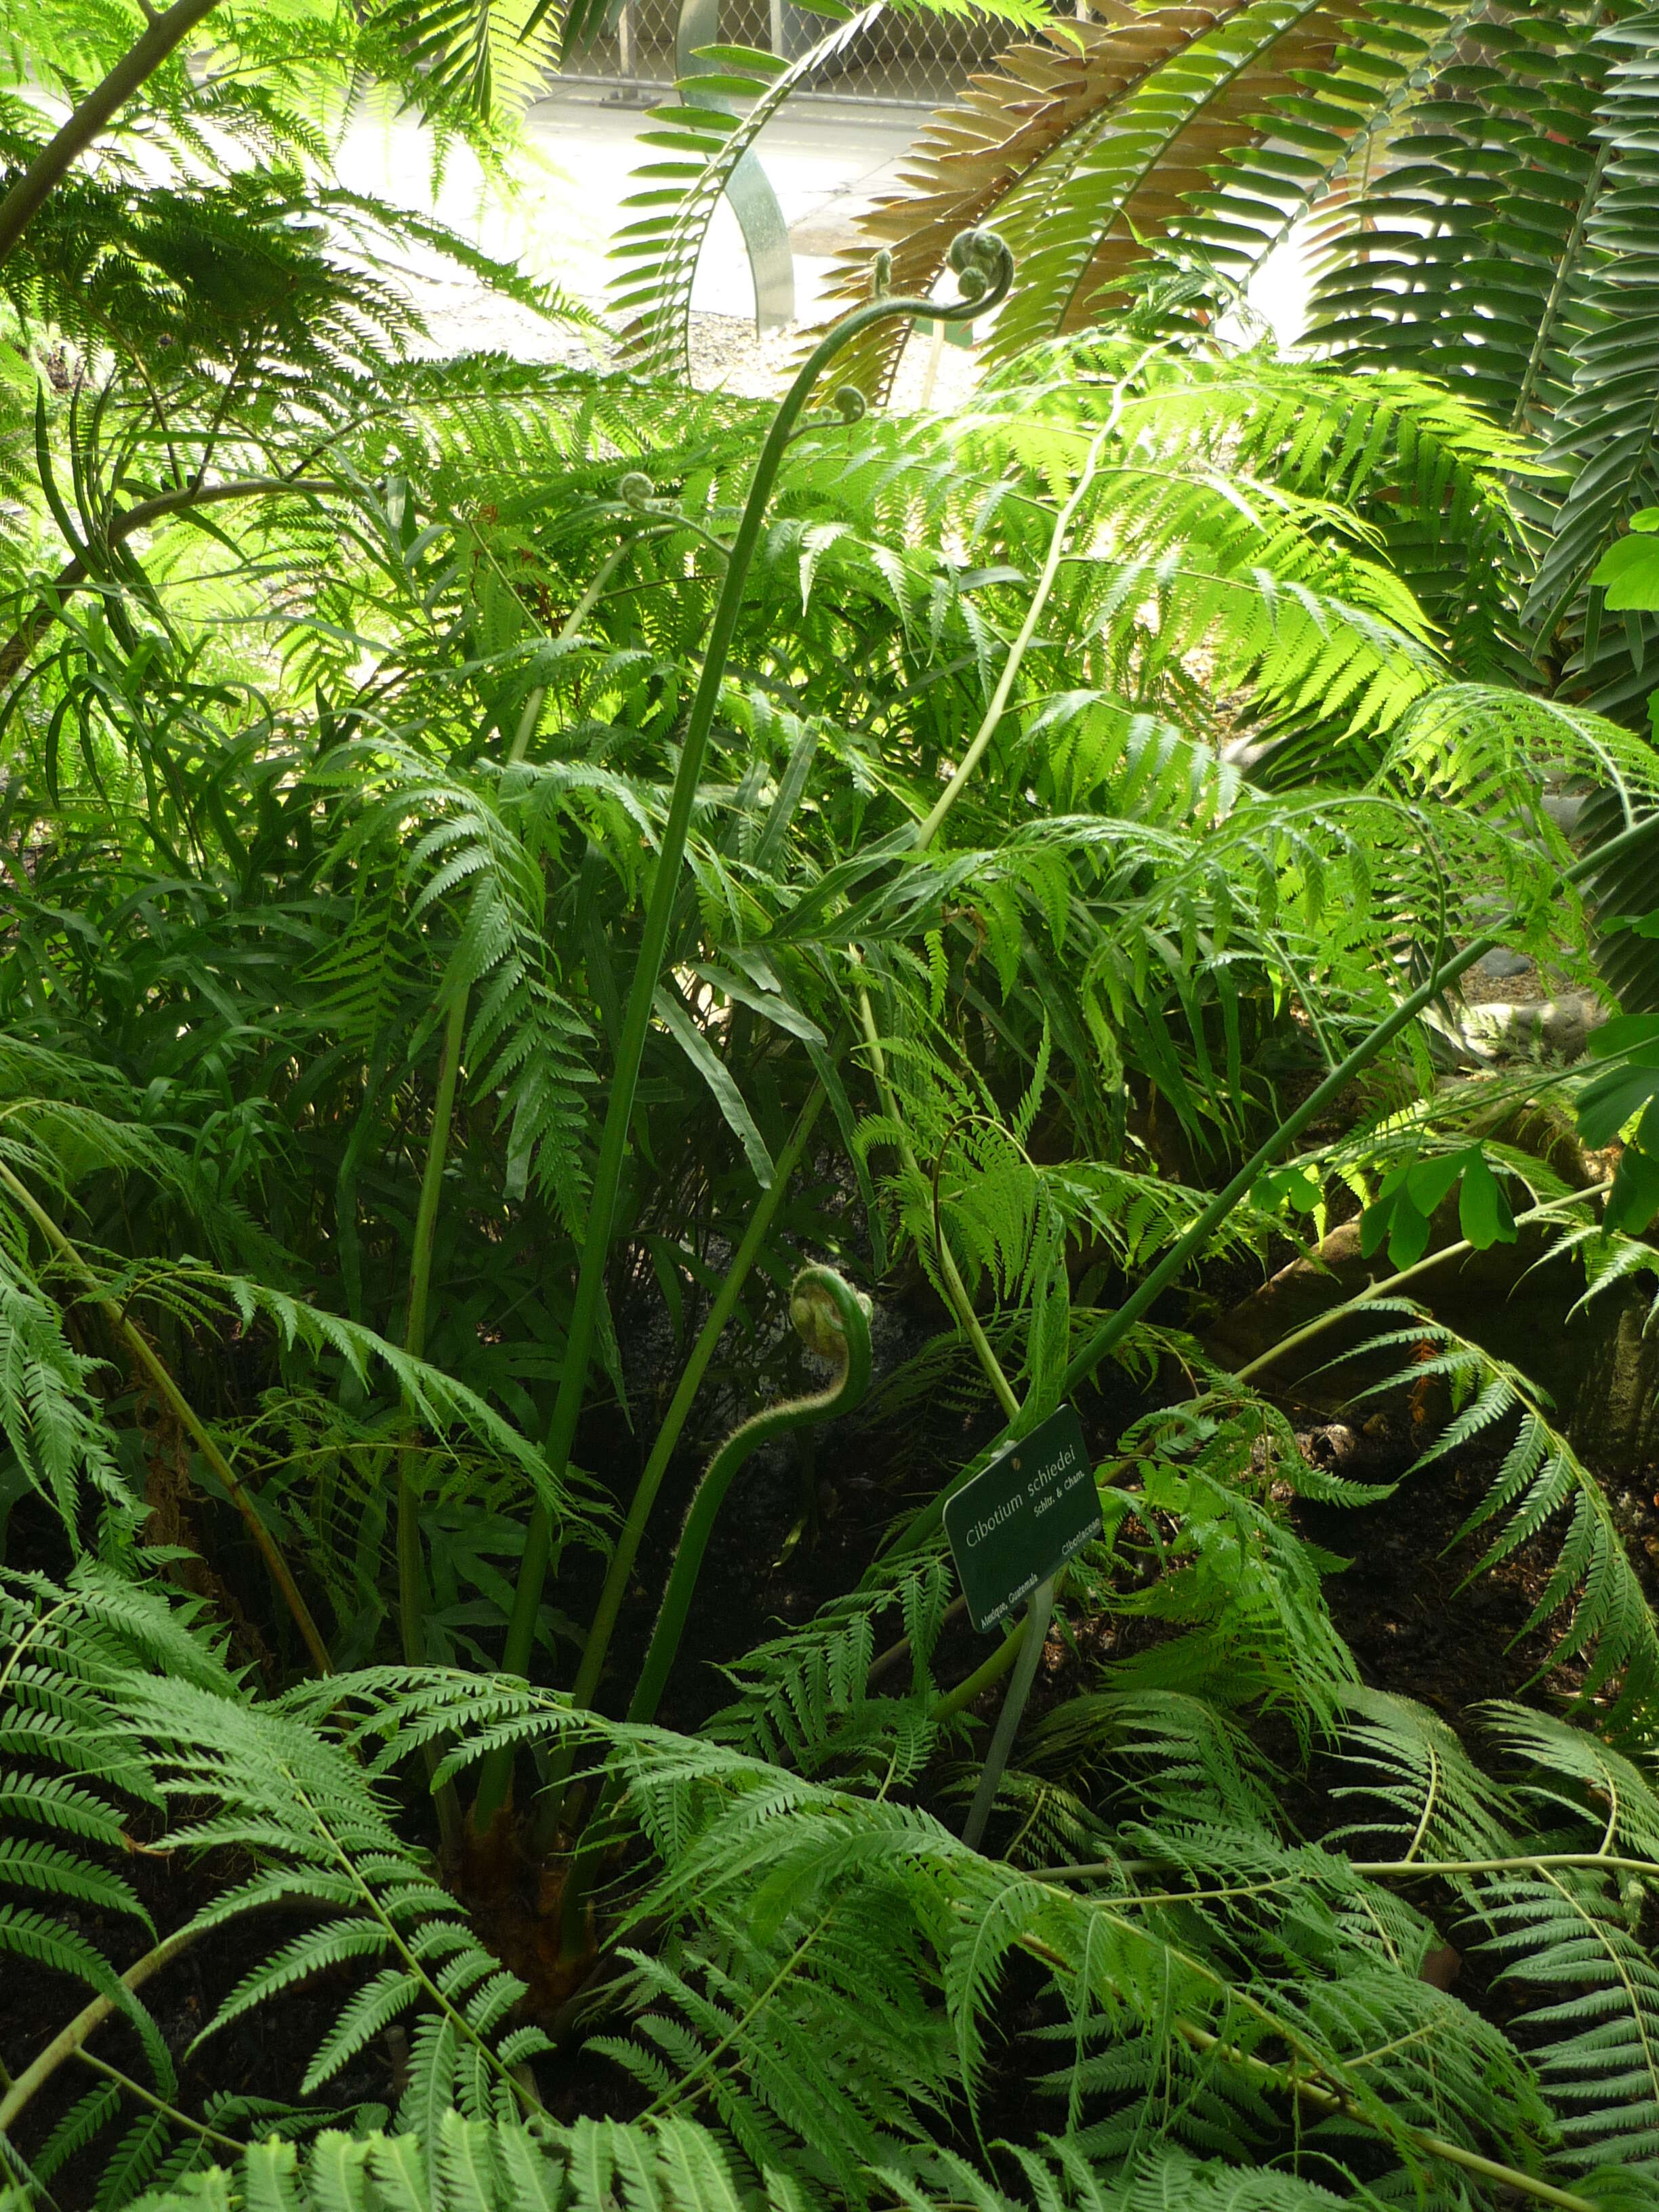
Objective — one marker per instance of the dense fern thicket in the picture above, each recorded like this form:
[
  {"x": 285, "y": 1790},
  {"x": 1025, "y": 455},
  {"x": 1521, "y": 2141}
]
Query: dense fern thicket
[
  {"x": 551, "y": 922},
  {"x": 1470, "y": 180}
]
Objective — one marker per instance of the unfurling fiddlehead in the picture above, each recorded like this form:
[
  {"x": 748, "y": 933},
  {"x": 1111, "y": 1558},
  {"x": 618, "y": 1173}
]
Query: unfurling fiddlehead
[
  {"x": 985, "y": 270},
  {"x": 832, "y": 1319}
]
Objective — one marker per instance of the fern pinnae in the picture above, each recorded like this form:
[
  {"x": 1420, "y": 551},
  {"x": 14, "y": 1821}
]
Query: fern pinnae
[
  {"x": 379, "y": 2001},
  {"x": 40, "y": 1866},
  {"x": 314, "y": 1952},
  {"x": 80, "y": 2126},
  {"x": 1610, "y": 1622},
  {"x": 50, "y": 1801}
]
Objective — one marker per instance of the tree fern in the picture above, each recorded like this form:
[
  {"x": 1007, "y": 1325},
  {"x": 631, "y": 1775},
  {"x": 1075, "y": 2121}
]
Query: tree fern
[
  {"x": 1082, "y": 780},
  {"x": 1465, "y": 164}
]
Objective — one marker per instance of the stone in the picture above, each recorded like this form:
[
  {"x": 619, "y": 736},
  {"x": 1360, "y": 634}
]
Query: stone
[
  {"x": 1598, "y": 1371},
  {"x": 1500, "y": 963},
  {"x": 1615, "y": 1414},
  {"x": 1555, "y": 1028}
]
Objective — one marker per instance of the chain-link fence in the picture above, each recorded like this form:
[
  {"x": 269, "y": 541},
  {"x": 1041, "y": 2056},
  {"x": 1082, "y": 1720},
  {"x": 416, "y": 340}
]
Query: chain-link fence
[{"x": 908, "y": 59}]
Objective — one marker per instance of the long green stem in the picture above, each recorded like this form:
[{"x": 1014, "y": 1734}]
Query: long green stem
[
  {"x": 68, "y": 2041},
  {"x": 1322, "y": 2098},
  {"x": 572, "y": 622},
  {"x": 961, "y": 1303},
  {"x": 411, "y": 1602},
  {"x": 1372, "y": 1870},
  {"x": 1038, "y": 1616},
  {"x": 683, "y": 2090},
  {"x": 169, "y": 2112},
  {"x": 1193, "y": 1240},
  {"x": 994, "y": 267},
  {"x": 990, "y": 722},
  {"x": 847, "y": 1342},
  {"x": 999, "y": 706},
  {"x": 830, "y": 1318},
  {"x": 1307, "y": 2079},
  {"x": 987, "y": 1672},
  {"x": 591, "y": 1665},
  {"x": 183, "y": 1413},
  {"x": 650, "y": 1482},
  {"x": 531, "y": 715},
  {"x": 1533, "y": 1863},
  {"x": 1034, "y": 1628}
]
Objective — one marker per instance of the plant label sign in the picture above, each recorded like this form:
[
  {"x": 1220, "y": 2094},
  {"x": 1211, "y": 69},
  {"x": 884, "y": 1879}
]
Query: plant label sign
[{"x": 1018, "y": 1522}]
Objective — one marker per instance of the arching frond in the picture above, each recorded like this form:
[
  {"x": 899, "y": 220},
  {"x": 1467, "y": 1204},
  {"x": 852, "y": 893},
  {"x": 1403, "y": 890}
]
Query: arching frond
[{"x": 1610, "y": 1630}]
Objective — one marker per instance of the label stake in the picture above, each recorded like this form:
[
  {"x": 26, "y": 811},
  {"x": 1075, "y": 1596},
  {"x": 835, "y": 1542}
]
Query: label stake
[
  {"x": 1012, "y": 1530},
  {"x": 1013, "y": 1707}
]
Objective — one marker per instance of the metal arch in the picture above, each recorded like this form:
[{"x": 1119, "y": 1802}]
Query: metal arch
[{"x": 749, "y": 189}]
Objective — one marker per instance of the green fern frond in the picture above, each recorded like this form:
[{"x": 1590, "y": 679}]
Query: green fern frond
[
  {"x": 1610, "y": 1625},
  {"x": 484, "y": 2166},
  {"x": 661, "y": 248}
]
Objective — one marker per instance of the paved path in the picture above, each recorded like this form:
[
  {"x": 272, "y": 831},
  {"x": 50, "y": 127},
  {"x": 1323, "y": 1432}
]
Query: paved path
[{"x": 826, "y": 160}]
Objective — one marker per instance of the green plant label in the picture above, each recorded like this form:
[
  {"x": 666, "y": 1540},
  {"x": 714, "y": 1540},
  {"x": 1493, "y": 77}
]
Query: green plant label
[{"x": 1012, "y": 1526}]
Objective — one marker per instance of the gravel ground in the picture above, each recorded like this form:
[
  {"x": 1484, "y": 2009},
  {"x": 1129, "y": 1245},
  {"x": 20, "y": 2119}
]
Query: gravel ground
[{"x": 726, "y": 353}]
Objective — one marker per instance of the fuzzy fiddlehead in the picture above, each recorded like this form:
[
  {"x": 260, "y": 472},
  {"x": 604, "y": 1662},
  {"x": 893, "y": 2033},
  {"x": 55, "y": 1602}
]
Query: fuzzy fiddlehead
[{"x": 832, "y": 1319}]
